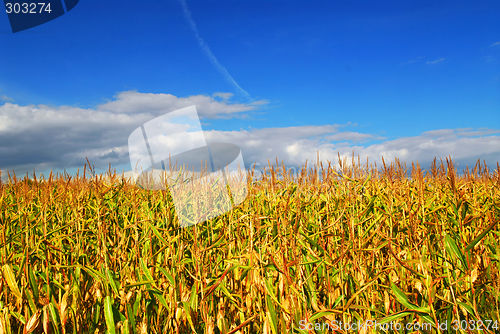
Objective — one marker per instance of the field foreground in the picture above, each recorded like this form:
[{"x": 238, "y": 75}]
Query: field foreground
[{"x": 98, "y": 254}]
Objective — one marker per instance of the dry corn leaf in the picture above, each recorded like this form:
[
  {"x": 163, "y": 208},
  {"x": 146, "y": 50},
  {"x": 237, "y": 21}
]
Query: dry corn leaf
[
  {"x": 473, "y": 275},
  {"x": 33, "y": 322},
  {"x": 9, "y": 276}
]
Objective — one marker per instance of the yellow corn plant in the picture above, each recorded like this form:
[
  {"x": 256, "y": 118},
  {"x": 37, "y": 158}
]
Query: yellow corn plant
[{"x": 329, "y": 244}]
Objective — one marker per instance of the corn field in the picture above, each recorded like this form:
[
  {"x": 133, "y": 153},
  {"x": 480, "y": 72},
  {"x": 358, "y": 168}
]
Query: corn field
[{"x": 345, "y": 243}]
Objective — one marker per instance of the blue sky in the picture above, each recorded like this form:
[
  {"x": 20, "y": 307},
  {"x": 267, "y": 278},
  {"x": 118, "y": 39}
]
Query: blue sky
[{"x": 413, "y": 80}]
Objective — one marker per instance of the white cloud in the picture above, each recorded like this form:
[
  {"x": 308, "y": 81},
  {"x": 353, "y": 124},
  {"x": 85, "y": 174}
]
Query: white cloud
[
  {"x": 44, "y": 137},
  {"x": 132, "y": 102},
  {"x": 443, "y": 133},
  {"x": 495, "y": 44},
  {"x": 296, "y": 145},
  {"x": 350, "y": 136},
  {"x": 477, "y": 133},
  {"x": 224, "y": 96},
  {"x": 429, "y": 62}
]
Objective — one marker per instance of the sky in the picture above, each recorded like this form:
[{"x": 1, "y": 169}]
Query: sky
[{"x": 413, "y": 80}]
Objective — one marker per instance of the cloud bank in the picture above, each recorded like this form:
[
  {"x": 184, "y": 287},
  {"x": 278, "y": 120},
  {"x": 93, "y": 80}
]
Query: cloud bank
[
  {"x": 295, "y": 145},
  {"x": 44, "y": 138}
]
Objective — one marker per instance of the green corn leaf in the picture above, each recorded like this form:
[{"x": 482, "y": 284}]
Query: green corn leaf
[
  {"x": 159, "y": 296},
  {"x": 270, "y": 289},
  {"x": 394, "y": 317},
  {"x": 131, "y": 318},
  {"x": 481, "y": 236},
  {"x": 298, "y": 330},
  {"x": 157, "y": 233},
  {"x": 33, "y": 284},
  {"x": 169, "y": 277},
  {"x": 125, "y": 326},
  {"x": 320, "y": 314},
  {"x": 452, "y": 248},
  {"x": 145, "y": 270},
  {"x": 108, "y": 315},
  {"x": 96, "y": 275},
  {"x": 97, "y": 314},
  {"x": 139, "y": 283},
  {"x": 31, "y": 302},
  {"x": 468, "y": 309},
  {"x": 428, "y": 319},
  {"x": 54, "y": 317},
  {"x": 401, "y": 297},
  {"x": 18, "y": 316},
  {"x": 137, "y": 302},
  {"x": 111, "y": 280},
  {"x": 187, "y": 309},
  {"x": 193, "y": 301},
  {"x": 273, "y": 316}
]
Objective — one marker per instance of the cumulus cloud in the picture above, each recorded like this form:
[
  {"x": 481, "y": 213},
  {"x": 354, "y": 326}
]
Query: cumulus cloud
[
  {"x": 295, "y": 145},
  {"x": 43, "y": 137},
  {"x": 132, "y": 102}
]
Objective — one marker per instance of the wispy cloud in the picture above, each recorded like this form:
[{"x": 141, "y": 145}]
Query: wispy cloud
[
  {"x": 489, "y": 59},
  {"x": 418, "y": 59},
  {"x": 495, "y": 44},
  {"x": 204, "y": 47},
  {"x": 5, "y": 98},
  {"x": 412, "y": 61},
  {"x": 432, "y": 62}
]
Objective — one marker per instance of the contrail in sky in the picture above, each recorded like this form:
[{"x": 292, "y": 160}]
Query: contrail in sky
[{"x": 208, "y": 52}]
